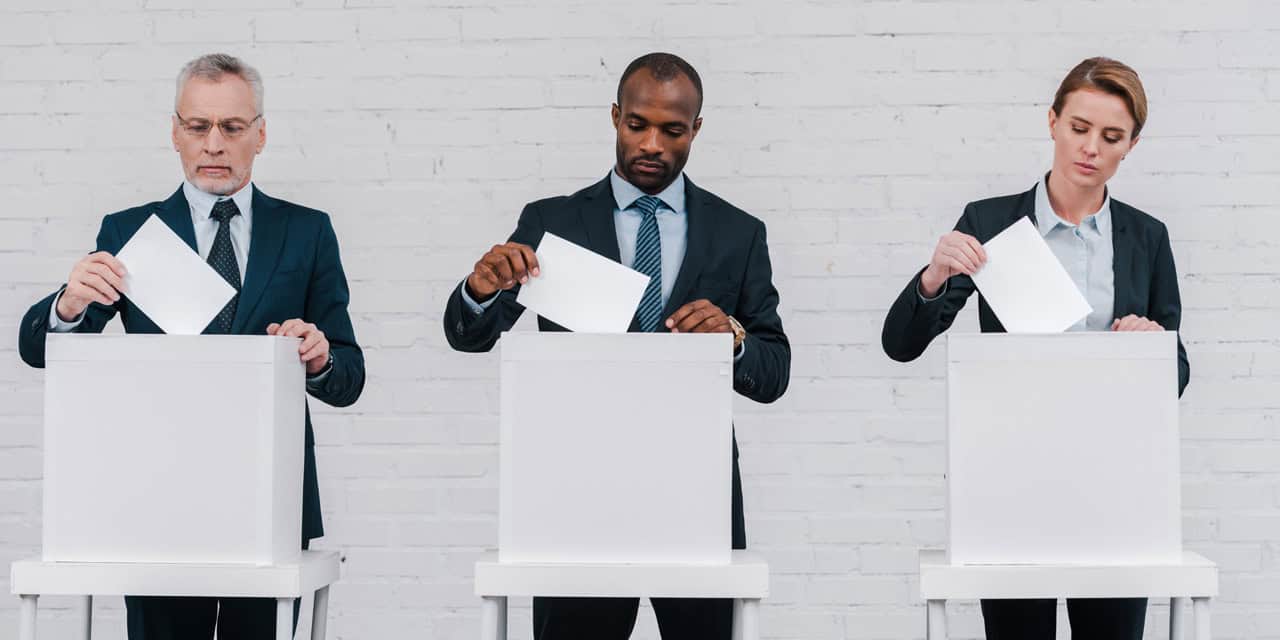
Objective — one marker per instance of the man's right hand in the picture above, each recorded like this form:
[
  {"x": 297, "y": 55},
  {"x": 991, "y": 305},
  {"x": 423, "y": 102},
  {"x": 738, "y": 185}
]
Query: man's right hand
[
  {"x": 956, "y": 253},
  {"x": 98, "y": 277},
  {"x": 502, "y": 268}
]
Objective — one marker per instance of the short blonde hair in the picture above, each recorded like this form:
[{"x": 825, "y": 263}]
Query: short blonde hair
[{"x": 1109, "y": 76}]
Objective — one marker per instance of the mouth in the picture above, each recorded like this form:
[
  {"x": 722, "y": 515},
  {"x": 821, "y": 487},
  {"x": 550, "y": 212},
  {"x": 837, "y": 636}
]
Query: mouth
[
  {"x": 213, "y": 170},
  {"x": 1086, "y": 168},
  {"x": 648, "y": 168}
]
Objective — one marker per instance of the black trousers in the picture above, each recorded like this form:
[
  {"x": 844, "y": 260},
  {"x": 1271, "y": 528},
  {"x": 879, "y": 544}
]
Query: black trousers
[
  {"x": 614, "y": 618},
  {"x": 187, "y": 618},
  {"x": 1091, "y": 618}
]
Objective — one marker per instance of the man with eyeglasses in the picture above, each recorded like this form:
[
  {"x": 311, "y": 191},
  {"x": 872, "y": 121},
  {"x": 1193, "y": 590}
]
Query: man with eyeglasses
[{"x": 282, "y": 260}]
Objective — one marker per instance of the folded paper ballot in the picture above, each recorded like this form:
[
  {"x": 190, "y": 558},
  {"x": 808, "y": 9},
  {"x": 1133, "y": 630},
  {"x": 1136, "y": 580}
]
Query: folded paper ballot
[
  {"x": 581, "y": 290},
  {"x": 169, "y": 282},
  {"x": 1026, "y": 286}
]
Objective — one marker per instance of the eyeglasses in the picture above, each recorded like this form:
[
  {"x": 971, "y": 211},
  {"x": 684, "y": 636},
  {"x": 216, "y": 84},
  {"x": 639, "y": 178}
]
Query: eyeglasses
[{"x": 231, "y": 128}]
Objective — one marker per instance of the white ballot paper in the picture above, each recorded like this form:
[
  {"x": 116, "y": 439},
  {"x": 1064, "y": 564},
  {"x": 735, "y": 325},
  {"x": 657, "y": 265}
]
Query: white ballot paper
[
  {"x": 169, "y": 282},
  {"x": 1026, "y": 286},
  {"x": 581, "y": 290}
]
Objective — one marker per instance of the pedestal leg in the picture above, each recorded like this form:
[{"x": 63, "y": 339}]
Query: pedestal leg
[
  {"x": 320, "y": 613},
  {"x": 284, "y": 618},
  {"x": 493, "y": 618},
  {"x": 747, "y": 619},
  {"x": 27, "y": 618},
  {"x": 735, "y": 628},
  {"x": 87, "y": 605},
  {"x": 1177, "y": 617},
  {"x": 936, "y": 622},
  {"x": 1201, "y": 606}
]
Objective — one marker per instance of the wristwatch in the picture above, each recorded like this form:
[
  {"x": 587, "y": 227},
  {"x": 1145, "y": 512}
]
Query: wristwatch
[
  {"x": 328, "y": 366},
  {"x": 739, "y": 334}
]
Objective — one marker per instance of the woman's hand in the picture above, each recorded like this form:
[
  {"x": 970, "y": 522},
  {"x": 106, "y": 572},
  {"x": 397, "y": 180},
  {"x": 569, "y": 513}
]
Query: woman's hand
[
  {"x": 956, "y": 253},
  {"x": 1133, "y": 322}
]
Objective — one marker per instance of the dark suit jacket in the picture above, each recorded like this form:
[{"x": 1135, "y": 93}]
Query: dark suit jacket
[
  {"x": 1146, "y": 283},
  {"x": 726, "y": 262},
  {"x": 293, "y": 272}
]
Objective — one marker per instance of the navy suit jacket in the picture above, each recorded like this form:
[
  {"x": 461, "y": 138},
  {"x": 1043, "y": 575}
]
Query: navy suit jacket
[
  {"x": 293, "y": 272},
  {"x": 1146, "y": 282},
  {"x": 726, "y": 261}
]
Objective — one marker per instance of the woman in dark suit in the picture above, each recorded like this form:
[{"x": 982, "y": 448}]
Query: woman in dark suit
[{"x": 1118, "y": 256}]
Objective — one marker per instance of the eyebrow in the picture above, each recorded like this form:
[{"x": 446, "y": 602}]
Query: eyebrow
[
  {"x": 1120, "y": 129},
  {"x": 631, "y": 115}
]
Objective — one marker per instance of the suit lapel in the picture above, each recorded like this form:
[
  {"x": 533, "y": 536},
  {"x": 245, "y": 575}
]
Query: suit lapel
[
  {"x": 266, "y": 242},
  {"x": 602, "y": 236},
  {"x": 596, "y": 212},
  {"x": 176, "y": 213},
  {"x": 701, "y": 215},
  {"x": 1023, "y": 207},
  {"x": 1027, "y": 208},
  {"x": 1123, "y": 253}
]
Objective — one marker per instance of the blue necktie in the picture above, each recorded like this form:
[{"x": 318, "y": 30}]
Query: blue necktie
[
  {"x": 649, "y": 262},
  {"x": 222, "y": 257}
]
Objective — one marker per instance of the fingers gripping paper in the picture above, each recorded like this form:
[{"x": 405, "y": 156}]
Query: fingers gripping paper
[
  {"x": 581, "y": 290},
  {"x": 169, "y": 282},
  {"x": 1026, "y": 286}
]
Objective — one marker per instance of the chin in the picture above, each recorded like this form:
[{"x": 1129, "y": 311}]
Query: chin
[
  {"x": 647, "y": 180},
  {"x": 1098, "y": 179},
  {"x": 224, "y": 187}
]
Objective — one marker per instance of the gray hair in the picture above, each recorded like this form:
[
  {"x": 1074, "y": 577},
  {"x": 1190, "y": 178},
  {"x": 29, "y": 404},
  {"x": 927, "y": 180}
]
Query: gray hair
[{"x": 212, "y": 66}]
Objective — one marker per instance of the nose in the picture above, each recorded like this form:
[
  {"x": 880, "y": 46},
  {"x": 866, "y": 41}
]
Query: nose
[
  {"x": 214, "y": 143},
  {"x": 1090, "y": 145},
  {"x": 650, "y": 142}
]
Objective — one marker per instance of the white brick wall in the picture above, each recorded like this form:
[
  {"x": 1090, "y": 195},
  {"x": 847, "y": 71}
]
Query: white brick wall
[{"x": 857, "y": 130}]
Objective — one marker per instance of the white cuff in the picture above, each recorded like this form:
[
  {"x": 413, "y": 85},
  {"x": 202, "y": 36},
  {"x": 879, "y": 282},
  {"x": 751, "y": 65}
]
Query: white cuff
[{"x": 56, "y": 324}]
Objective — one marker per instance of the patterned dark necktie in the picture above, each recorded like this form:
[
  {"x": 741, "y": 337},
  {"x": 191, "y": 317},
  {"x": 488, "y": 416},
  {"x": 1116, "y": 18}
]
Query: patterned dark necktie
[
  {"x": 222, "y": 257},
  {"x": 649, "y": 262}
]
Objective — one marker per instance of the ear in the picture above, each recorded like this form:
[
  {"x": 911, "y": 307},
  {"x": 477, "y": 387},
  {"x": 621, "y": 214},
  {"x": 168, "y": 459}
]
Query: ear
[
  {"x": 173, "y": 135},
  {"x": 616, "y": 114},
  {"x": 262, "y": 135},
  {"x": 697, "y": 126},
  {"x": 1053, "y": 122},
  {"x": 1132, "y": 143}
]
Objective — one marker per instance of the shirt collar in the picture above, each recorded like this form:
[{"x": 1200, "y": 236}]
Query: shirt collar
[
  {"x": 202, "y": 203},
  {"x": 1047, "y": 219},
  {"x": 625, "y": 193}
]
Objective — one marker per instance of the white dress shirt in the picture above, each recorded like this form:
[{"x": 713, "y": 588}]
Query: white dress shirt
[{"x": 206, "y": 229}]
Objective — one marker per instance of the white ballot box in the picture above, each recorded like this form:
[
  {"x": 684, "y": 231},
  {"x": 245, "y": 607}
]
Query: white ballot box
[
  {"x": 1063, "y": 448},
  {"x": 165, "y": 448},
  {"x": 615, "y": 448}
]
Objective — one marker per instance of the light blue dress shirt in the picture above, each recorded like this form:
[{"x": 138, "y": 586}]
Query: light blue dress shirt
[
  {"x": 673, "y": 228},
  {"x": 673, "y": 233},
  {"x": 1087, "y": 252}
]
